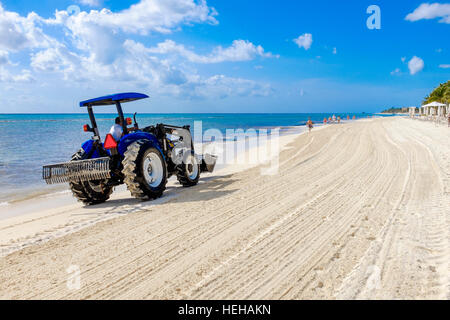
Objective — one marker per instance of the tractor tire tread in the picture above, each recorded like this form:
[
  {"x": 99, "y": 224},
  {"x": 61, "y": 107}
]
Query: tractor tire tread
[
  {"x": 82, "y": 193},
  {"x": 131, "y": 177},
  {"x": 182, "y": 176}
]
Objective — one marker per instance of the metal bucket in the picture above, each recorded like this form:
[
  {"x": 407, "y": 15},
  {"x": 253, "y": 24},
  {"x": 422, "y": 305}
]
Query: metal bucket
[{"x": 208, "y": 163}]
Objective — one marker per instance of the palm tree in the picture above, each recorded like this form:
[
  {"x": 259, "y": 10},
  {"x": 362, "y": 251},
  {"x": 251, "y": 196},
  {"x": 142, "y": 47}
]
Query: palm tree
[
  {"x": 447, "y": 95},
  {"x": 440, "y": 94}
]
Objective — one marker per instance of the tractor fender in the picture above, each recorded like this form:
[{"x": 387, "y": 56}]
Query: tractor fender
[
  {"x": 88, "y": 147},
  {"x": 135, "y": 136}
]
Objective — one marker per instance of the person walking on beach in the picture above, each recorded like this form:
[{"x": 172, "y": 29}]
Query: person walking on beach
[
  {"x": 310, "y": 124},
  {"x": 334, "y": 118},
  {"x": 324, "y": 120},
  {"x": 339, "y": 119}
]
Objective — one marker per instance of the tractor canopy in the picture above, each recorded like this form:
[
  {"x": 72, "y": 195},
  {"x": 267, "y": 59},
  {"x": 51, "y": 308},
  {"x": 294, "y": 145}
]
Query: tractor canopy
[{"x": 113, "y": 99}]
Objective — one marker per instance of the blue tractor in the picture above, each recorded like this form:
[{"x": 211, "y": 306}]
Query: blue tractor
[{"x": 143, "y": 159}]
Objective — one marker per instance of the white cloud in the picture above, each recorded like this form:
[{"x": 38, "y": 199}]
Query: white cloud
[
  {"x": 395, "y": 72},
  {"x": 403, "y": 59},
  {"x": 58, "y": 59},
  {"x": 222, "y": 87},
  {"x": 334, "y": 50},
  {"x": 100, "y": 32},
  {"x": 4, "y": 57},
  {"x": 146, "y": 16},
  {"x": 97, "y": 50},
  {"x": 174, "y": 80},
  {"x": 240, "y": 50},
  {"x": 304, "y": 41},
  {"x": 137, "y": 66},
  {"x": 17, "y": 32},
  {"x": 23, "y": 76},
  {"x": 431, "y": 11},
  {"x": 415, "y": 65},
  {"x": 444, "y": 66}
]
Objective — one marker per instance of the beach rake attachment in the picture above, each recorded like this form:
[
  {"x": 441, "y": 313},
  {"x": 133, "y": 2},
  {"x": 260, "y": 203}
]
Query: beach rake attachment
[{"x": 76, "y": 171}]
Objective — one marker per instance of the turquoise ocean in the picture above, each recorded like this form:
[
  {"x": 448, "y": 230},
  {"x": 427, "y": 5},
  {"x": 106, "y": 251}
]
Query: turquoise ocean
[{"x": 29, "y": 141}]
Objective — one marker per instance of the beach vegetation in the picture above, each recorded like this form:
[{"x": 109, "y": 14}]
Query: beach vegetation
[
  {"x": 440, "y": 94},
  {"x": 393, "y": 110}
]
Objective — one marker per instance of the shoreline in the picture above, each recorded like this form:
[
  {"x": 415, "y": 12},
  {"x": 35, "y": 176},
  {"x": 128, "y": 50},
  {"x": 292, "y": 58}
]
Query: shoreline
[
  {"x": 44, "y": 191},
  {"x": 37, "y": 193}
]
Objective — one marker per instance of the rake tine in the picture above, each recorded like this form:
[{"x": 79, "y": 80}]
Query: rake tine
[{"x": 84, "y": 170}]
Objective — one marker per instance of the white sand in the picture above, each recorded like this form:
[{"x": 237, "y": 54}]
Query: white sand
[
  {"x": 360, "y": 210},
  {"x": 50, "y": 216}
]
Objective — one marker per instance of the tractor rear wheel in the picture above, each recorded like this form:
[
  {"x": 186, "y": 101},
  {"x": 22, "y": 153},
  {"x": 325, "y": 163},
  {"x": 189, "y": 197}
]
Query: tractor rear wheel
[
  {"x": 188, "y": 173},
  {"x": 89, "y": 192},
  {"x": 145, "y": 171}
]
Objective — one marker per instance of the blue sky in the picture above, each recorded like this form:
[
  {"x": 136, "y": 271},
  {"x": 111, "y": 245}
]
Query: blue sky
[{"x": 222, "y": 56}]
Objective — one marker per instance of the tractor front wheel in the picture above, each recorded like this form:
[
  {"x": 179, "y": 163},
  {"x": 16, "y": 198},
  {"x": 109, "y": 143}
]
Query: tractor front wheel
[
  {"x": 145, "y": 171},
  {"x": 89, "y": 192}
]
